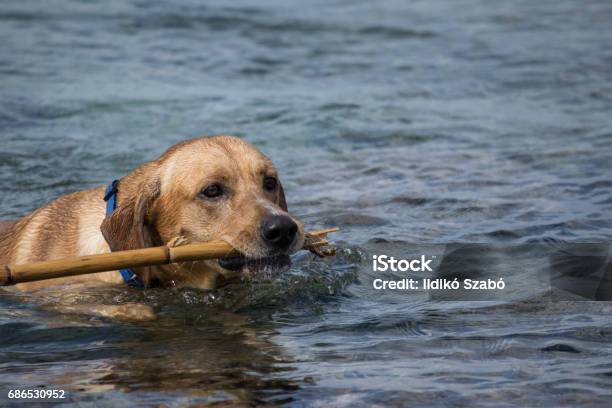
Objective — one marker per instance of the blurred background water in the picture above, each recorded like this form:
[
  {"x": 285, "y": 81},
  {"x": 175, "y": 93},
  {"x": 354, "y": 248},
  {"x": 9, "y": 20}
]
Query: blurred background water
[{"x": 399, "y": 121}]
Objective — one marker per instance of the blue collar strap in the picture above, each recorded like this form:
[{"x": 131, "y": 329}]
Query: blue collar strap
[{"x": 110, "y": 196}]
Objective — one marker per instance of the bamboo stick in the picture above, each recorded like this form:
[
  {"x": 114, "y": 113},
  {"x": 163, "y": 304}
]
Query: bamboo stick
[{"x": 162, "y": 255}]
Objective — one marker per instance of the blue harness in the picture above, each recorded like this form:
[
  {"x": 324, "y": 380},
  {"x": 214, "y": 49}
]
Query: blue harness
[{"x": 110, "y": 196}]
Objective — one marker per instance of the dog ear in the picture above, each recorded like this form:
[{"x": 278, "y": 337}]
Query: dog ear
[
  {"x": 128, "y": 227},
  {"x": 282, "y": 201}
]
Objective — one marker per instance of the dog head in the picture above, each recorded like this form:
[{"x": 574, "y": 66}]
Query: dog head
[{"x": 207, "y": 189}]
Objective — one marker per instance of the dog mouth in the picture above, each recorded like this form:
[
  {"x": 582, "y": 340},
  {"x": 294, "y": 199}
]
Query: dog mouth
[{"x": 250, "y": 267}]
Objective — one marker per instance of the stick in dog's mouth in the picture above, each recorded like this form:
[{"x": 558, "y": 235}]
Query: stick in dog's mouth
[{"x": 314, "y": 242}]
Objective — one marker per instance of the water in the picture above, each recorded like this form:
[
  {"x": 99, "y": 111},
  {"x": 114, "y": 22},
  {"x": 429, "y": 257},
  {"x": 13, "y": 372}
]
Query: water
[{"x": 398, "y": 121}]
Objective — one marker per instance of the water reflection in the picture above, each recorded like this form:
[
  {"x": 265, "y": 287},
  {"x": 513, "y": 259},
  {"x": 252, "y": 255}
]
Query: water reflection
[
  {"x": 204, "y": 354},
  {"x": 223, "y": 358}
]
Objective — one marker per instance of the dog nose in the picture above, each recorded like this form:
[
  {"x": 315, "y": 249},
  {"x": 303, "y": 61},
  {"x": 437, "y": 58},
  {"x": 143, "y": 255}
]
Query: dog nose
[{"x": 279, "y": 231}]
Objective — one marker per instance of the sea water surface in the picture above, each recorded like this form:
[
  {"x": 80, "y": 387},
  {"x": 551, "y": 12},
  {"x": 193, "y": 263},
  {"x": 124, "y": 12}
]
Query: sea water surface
[{"x": 401, "y": 122}]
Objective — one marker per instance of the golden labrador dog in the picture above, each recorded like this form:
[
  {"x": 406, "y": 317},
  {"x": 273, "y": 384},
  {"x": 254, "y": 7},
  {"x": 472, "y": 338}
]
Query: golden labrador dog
[{"x": 199, "y": 190}]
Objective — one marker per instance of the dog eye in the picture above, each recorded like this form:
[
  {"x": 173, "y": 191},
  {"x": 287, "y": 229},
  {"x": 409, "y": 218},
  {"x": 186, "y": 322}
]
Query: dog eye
[
  {"x": 270, "y": 183},
  {"x": 212, "y": 191}
]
